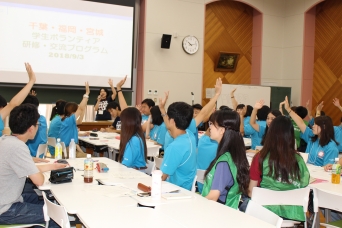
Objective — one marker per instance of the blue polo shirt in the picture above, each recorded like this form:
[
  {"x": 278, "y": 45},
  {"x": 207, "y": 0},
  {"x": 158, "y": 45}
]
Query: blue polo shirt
[
  {"x": 54, "y": 129},
  {"x": 319, "y": 155},
  {"x": 245, "y": 124},
  {"x": 338, "y": 137},
  {"x": 158, "y": 133},
  {"x": 40, "y": 138},
  {"x": 68, "y": 130},
  {"x": 144, "y": 118},
  {"x": 2, "y": 126},
  {"x": 180, "y": 160},
  {"x": 206, "y": 152},
  {"x": 256, "y": 137},
  {"x": 134, "y": 156}
]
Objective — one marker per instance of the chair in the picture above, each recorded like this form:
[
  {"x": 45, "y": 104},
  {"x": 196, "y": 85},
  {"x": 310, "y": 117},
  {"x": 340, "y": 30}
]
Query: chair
[
  {"x": 199, "y": 178},
  {"x": 305, "y": 156},
  {"x": 150, "y": 167},
  {"x": 158, "y": 162},
  {"x": 296, "y": 197},
  {"x": 52, "y": 141},
  {"x": 64, "y": 150},
  {"x": 56, "y": 212},
  {"x": 262, "y": 213},
  {"x": 327, "y": 201},
  {"x": 42, "y": 148},
  {"x": 21, "y": 225}
]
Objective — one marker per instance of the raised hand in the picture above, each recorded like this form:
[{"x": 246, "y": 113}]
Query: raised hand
[
  {"x": 307, "y": 104},
  {"x": 232, "y": 92},
  {"x": 336, "y": 102},
  {"x": 33, "y": 93},
  {"x": 320, "y": 106},
  {"x": 120, "y": 83},
  {"x": 87, "y": 88},
  {"x": 138, "y": 106},
  {"x": 31, "y": 74},
  {"x": 287, "y": 105},
  {"x": 259, "y": 104},
  {"x": 110, "y": 82},
  {"x": 162, "y": 101},
  {"x": 218, "y": 86}
]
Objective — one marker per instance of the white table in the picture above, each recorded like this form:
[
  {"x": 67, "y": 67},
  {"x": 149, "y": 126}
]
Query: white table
[{"x": 109, "y": 206}]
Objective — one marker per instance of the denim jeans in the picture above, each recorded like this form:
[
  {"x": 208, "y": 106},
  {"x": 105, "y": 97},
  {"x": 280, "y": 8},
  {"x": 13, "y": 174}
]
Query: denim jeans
[{"x": 28, "y": 212}]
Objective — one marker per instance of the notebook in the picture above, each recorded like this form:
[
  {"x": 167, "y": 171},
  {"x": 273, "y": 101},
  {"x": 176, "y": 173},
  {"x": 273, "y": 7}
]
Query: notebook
[{"x": 175, "y": 196}]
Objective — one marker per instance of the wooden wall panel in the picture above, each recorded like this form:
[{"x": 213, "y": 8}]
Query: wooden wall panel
[
  {"x": 228, "y": 27},
  {"x": 328, "y": 58}
]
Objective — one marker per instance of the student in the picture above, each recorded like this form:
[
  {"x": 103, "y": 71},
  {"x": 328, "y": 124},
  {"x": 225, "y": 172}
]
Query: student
[
  {"x": 197, "y": 109},
  {"x": 156, "y": 130},
  {"x": 16, "y": 206},
  {"x": 114, "y": 109},
  {"x": 102, "y": 101},
  {"x": 5, "y": 108},
  {"x": 73, "y": 115},
  {"x": 179, "y": 163},
  {"x": 227, "y": 175},
  {"x": 56, "y": 122},
  {"x": 302, "y": 112},
  {"x": 41, "y": 136},
  {"x": 279, "y": 167},
  {"x": 322, "y": 147},
  {"x": 145, "y": 108},
  {"x": 338, "y": 129}
]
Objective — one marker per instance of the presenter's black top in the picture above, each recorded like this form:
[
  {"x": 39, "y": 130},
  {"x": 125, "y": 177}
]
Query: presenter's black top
[{"x": 102, "y": 113}]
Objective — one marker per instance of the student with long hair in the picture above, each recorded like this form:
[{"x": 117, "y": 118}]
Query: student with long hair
[
  {"x": 279, "y": 167},
  {"x": 73, "y": 115},
  {"x": 56, "y": 122},
  {"x": 133, "y": 149},
  {"x": 261, "y": 130},
  {"x": 227, "y": 176},
  {"x": 102, "y": 101},
  {"x": 322, "y": 146}
]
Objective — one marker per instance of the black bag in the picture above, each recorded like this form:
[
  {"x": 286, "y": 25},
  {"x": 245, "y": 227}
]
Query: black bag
[{"x": 59, "y": 176}]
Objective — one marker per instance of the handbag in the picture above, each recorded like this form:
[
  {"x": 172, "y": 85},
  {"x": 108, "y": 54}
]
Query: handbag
[{"x": 60, "y": 176}]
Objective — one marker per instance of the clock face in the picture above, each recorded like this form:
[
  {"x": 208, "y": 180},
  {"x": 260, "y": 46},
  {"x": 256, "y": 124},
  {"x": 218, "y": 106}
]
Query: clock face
[{"x": 190, "y": 44}]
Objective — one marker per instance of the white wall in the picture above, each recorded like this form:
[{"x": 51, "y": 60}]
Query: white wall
[{"x": 282, "y": 45}]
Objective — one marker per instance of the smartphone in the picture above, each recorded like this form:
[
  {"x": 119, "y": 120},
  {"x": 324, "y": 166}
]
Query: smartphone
[{"x": 144, "y": 194}]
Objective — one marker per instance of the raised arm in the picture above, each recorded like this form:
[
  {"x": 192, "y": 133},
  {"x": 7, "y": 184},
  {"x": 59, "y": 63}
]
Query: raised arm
[
  {"x": 336, "y": 102},
  {"x": 242, "y": 113},
  {"x": 161, "y": 105},
  {"x": 234, "y": 101},
  {"x": 299, "y": 121},
  {"x": 252, "y": 121},
  {"x": 110, "y": 82},
  {"x": 19, "y": 97},
  {"x": 319, "y": 109},
  {"x": 122, "y": 100},
  {"x": 148, "y": 127},
  {"x": 281, "y": 107},
  {"x": 96, "y": 107},
  {"x": 83, "y": 105},
  {"x": 307, "y": 105},
  {"x": 206, "y": 110}
]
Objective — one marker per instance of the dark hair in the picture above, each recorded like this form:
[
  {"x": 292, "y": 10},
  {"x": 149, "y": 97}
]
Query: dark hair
[
  {"x": 157, "y": 119},
  {"x": 197, "y": 106},
  {"x": 30, "y": 99},
  {"x": 58, "y": 109},
  {"x": 3, "y": 102},
  {"x": 293, "y": 108},
  {"x": 106, "y": 90},
  {"x": 22, "y": 118},
  {"x": 225, "y": 107},
  {"x": 249, "y": 110},
  {"x": 279, "y": 146},
  {"x": 150, "y": 103},
  {"x": 113, "y": 105},
  {"x": 240, "y": 106},
  {"x": 263, "y": 112},
  {"x": 276, "y": 113},
  {"x": 301, "y": 111},
  {"x": 131, "y": 126},
  {"x": 327, "y": 130},
  {"x": 181, "y": 113},
  {"x": 232, "y": 142},
  {"x": 69, "y": 109}
]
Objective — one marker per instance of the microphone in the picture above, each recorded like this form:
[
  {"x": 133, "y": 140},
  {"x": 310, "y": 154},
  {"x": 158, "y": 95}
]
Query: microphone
[{"x": 193, "y": 98}]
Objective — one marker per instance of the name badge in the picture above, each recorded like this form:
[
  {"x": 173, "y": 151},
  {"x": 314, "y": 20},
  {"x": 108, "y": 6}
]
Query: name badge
[{"x": 101, "y": 112}]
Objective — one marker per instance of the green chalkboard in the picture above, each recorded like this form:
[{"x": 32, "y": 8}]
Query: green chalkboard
[{"x": 278, "y": 95}]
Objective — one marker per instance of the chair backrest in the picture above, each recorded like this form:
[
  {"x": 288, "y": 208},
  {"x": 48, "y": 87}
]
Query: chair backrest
[
  {"x": 158, "y": 162},
  {"x": 193, "y": 187},
  {"x": 305, "y": 156},
  {"x": 42, "y": 148},
  {"x": 327, "y": 200},
  {"x": 200, "y": 175},
  {"x": 260, "y": 212},
  {"x": 64, "y": 150},
  {"x": 150, "y": 167},
  {"x": 52, "y": 141},
  {"x": 56, "y": 212}
]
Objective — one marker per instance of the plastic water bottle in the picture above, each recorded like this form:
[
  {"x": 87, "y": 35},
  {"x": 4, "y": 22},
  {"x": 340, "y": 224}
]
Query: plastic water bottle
[
  {"x": 88, "y": 169},
  {"x": 336, "y": 172},
  {"x": 72, "y": 149},
  {"x": 156, "y": 184},
  {"x": 58, "y": 149},
  {"x": 118, "y": 125}
]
